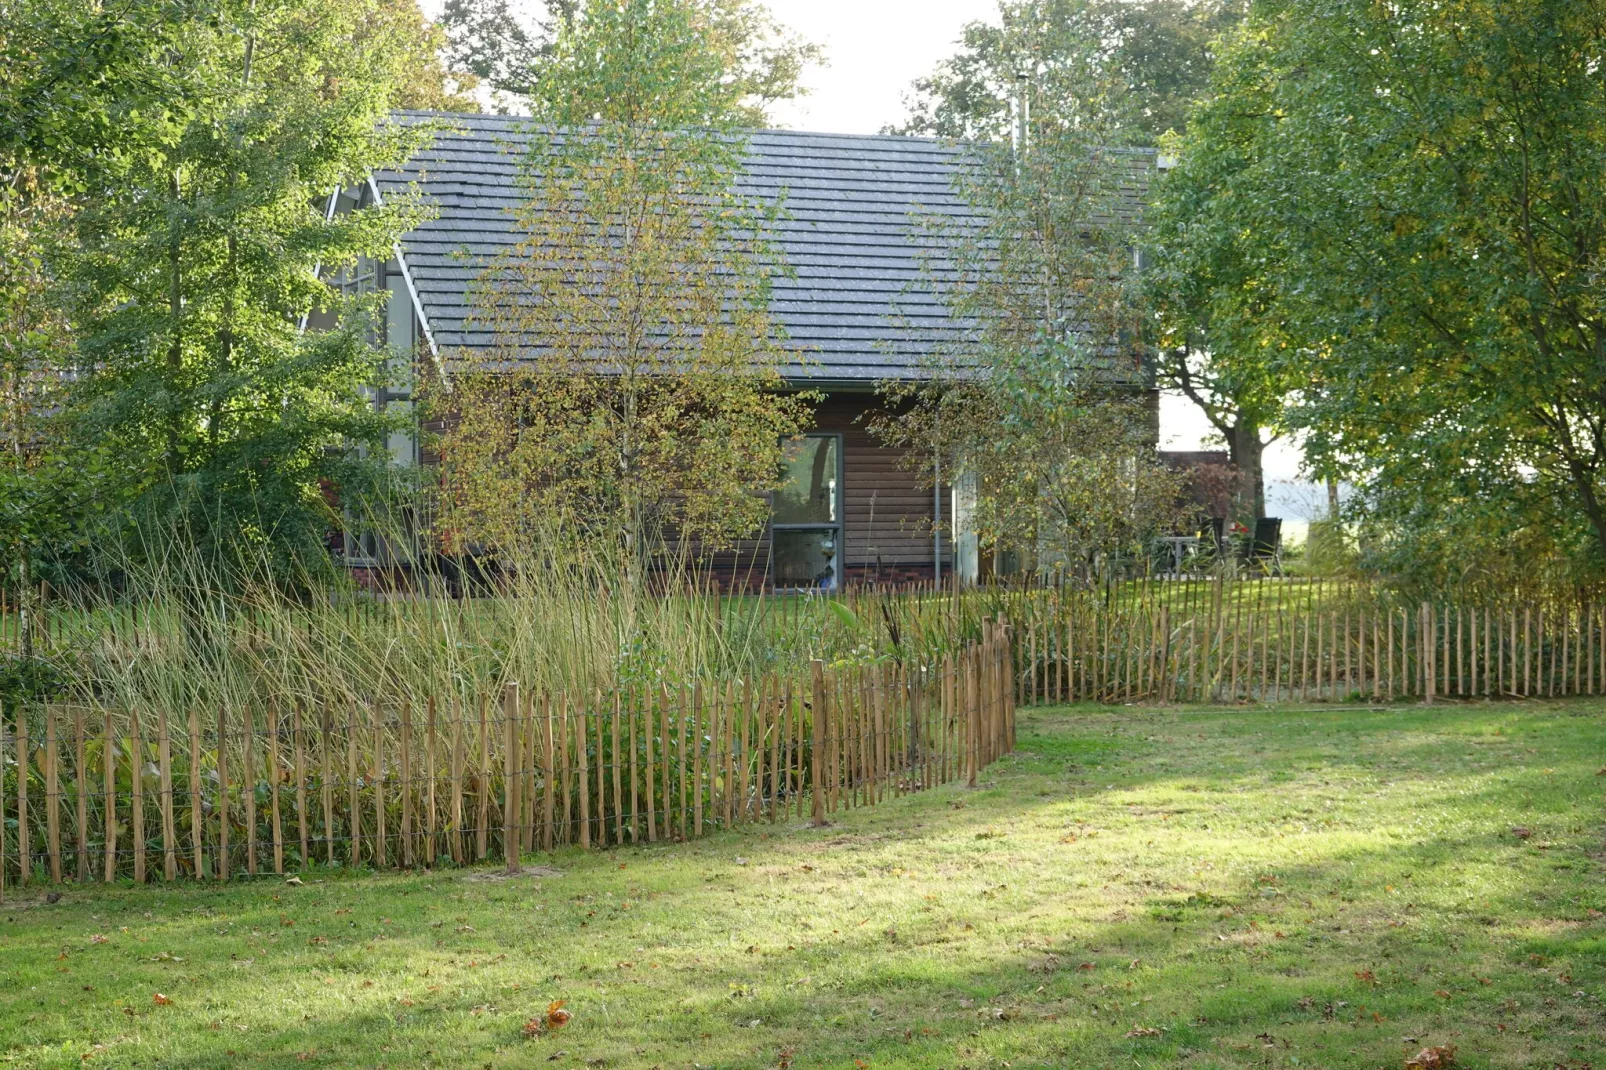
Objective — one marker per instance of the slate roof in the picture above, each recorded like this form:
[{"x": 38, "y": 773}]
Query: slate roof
[{"x": 861, "y": 307}]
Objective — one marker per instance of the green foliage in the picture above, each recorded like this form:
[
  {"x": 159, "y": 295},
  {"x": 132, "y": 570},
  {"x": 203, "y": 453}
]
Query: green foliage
[
  {"x": 747, "y": 59},
  {"x": 1155, "y": 56},
  {"x": 1221, "y": 339},
  {"x": 27, "y": 679},
  {"x": 1420, "y": 211},
  {"x": 192, "y": 270},
  {"x": 1042, "y": 407}
]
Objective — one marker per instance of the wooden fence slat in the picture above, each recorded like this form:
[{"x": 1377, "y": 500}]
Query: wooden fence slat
[
  {"x": 108, "y": 756},
  {"x": 633, "y": 710},
  {"x": 817, "y": 671},
  {"x": 510, "y": 780},
  {"x": 376, "y": 719},
  {"x": 598, "y": 720},
  {"x": 529, "y": 798},
  {"x": 618, "y": 799},
  {"x": 249, "y": 787},
  {"x": 583, "y": 775},
  {"x": 303, "y": 834},
  {"x": 405, "y": 833},
  {"x": 326, "y": 786},
  {"x": 455, "y": 802},
  {"x": 24, "y": 835},
  {"x": 483, "y": 787},
  {"x": 430, "y": 746},
  {"x": 353, "y": 810},
  {"x": 275, "y": 772},
  {"x": 549, "y": 771},
  {"x": 52, "y": 795},
  {"x": 197, "y": 826},
  {"x": 80, "y": 795},
  {"x": 566, "y": 830},
  {"x": 648, "y": 694}
]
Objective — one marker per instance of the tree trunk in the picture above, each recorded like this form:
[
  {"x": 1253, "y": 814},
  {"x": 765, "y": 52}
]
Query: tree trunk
[{"x": 1246, "y": 452}]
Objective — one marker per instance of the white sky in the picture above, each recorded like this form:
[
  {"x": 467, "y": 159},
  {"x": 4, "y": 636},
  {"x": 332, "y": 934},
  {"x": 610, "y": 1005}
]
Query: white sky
[{"x": 874, "y": 50}]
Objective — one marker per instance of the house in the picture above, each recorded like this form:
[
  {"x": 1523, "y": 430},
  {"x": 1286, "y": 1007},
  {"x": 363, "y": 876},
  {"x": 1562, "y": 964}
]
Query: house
[{"x": 860, "y": 308}]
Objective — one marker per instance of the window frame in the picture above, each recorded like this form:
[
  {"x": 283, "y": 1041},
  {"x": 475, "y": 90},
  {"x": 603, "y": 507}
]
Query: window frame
[{"x": 838, "y": 527}]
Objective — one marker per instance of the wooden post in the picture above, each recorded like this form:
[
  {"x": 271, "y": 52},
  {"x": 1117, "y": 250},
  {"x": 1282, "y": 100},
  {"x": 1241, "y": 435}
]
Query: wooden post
[
  {"x": 632, "y": 714},
  {"x": 483, "y": 816},
  {"x": 354, "y": 812},
  {"x": 108, "y": 758},
  {"x": 817, "y": 672},
  {"x": 550, "y": 771},
  {"x": 301, "y": 784},
  {"x": 648, "y": 723},
  {"x": 685, "y": 799},
  {"x": 80, "y": 794},
  {"x": 406, "y": 831},
  {"x": 429, "y": 784},
  {"x": 529, "y": 798},
  {"x": 197, "y": 829},
  {"x": 52, "y": 796},
  {"x": 377, "y": 721},
  {"x": 584, "y": 771},
  {"x": 618, "y": 801},
  {"x": 565, "y": 831},
  {"x": 598, "y": 721},
  {"x": 164, "y": 759},
  {"x": 249, "y": 787},
  {"x": 136, "y": 778},
  {"x": 24, "y": 841},
  {"x": 327, "y": 787},
  {"x": 699, "y": 729},
  {"x": 1429, "y": 650},
  {"x": 972, "y": 711},
  {"x": 271, "y": 738},
  {"x": 774, "y": 715},
  {"x": 727, "y": 736},
  {"x": 510, "y": 787},
  {"x": 455, "y": 841},
  {"x": 664, "y": 745}
]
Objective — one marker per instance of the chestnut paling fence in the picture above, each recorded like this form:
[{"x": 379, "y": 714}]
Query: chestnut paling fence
[
  {"x": 158, "y": 794},
  {"x": 1215, "y": 641}
]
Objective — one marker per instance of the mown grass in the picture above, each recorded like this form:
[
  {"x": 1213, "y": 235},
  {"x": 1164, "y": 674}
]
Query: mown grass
[{"x": 1266, "y": 888}]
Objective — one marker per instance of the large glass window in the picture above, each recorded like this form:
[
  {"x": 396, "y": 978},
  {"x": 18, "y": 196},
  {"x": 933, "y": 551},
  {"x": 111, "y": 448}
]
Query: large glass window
[{"x": 806, "y": 540}]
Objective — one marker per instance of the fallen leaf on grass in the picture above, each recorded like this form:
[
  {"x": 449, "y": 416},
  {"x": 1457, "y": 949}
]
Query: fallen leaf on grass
[
  {"x": 1432, "y": 1058},
  {"x": 161, "y": 1000},
  {"x": 1142, "y": 1031}
]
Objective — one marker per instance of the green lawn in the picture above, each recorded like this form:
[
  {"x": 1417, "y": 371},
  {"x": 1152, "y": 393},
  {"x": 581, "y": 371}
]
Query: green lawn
[{"x": 1266, "y": 888}]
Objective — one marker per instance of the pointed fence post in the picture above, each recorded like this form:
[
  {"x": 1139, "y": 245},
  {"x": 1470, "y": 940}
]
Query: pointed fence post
[{"x": 817, "y": 671}]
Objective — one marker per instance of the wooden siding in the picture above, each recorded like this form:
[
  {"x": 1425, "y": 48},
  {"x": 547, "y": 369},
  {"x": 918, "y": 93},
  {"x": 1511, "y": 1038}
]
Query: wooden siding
[{"x": 887, "y": 513}]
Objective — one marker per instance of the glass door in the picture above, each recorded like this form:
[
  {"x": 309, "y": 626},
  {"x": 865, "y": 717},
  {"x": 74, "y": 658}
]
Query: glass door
[{"x": 806, "y": 524}]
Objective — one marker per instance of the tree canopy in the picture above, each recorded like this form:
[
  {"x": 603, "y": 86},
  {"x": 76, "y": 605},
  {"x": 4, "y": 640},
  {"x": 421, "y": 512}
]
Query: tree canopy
[
  {"x": 1401, "y": 209},
  {"x": 1154, "y": 58}
]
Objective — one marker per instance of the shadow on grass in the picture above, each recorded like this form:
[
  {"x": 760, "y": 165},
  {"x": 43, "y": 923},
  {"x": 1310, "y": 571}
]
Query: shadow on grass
[{"x": 1111, "y": 949}]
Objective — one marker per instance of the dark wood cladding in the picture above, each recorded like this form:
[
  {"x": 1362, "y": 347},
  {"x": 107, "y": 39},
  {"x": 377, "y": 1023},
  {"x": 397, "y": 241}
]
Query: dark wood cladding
[{"x": 888, "y": 515}]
